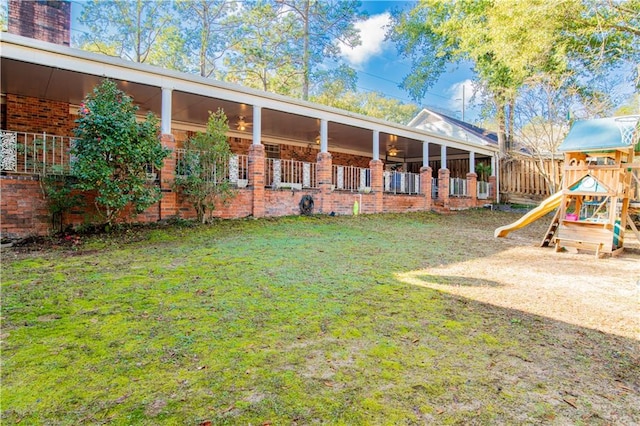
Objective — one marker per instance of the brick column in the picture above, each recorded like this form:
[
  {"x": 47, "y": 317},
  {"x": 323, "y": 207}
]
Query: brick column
[
  {"x": 472, "y": 188},
  {"x": 493, "y": 189},
  {"x": 377, "y": 184},
  {"x": 426, "y": 174},
  {"x": 443, "y": 187},
  {"x": 324, "y": 165},
  {"x": 256, "y": 179},
  {"x": 169, "y": 201}
]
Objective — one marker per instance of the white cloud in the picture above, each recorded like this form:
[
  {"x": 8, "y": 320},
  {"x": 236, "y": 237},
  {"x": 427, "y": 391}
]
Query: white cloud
[
  {"x": 463, "y": 89},
  {"x": 372, "y": 33},
  {"x": 473, "y": 98}
]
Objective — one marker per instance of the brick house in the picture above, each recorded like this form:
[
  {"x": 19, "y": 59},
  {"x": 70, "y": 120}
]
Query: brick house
[{"x": 284, "y": 148}]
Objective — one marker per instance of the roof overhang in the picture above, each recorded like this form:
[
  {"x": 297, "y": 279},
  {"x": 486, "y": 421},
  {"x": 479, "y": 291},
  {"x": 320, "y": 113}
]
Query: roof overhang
[{"x": 49, "y": 71}]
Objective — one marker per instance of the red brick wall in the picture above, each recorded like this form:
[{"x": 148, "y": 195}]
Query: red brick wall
[
  {"x": 47, "y": 21},
  {"x": 23, "y": 210},
  {"x": 286, "y": 202},
  {"x": 342, "y": 159},
  {"x": 27, "y": 114},
  {"x": 239, "y": 146},
  {"x": 236, "y": 207},
  {"x": 343, "y": 202},
  {"x": 403, "y": 203}
]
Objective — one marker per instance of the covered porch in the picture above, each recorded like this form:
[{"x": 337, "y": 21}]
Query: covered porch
[{"x": 284, "y": 148}]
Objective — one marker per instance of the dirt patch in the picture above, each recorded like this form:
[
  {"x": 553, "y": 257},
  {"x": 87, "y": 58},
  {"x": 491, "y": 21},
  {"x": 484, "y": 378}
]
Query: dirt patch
[{"x": 600, "y": 294}]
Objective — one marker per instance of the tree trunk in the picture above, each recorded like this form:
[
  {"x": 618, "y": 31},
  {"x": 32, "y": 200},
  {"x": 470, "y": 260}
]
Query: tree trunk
[
  {"x": 204, "y": 41},
  {"x": 501, "y": 119},
  {"x": 305, "y": 53},
  {"x": 510, "y": 124}
]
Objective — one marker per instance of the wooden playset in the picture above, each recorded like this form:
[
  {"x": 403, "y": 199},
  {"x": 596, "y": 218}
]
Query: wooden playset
[{"x": 600, "y": 180}]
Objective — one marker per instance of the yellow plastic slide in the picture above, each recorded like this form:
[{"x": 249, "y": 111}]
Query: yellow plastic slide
[{"x": 545, "y": 207}]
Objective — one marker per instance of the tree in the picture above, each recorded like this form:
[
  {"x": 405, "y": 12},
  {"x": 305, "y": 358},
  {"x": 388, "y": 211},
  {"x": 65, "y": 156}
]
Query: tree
[
  {"x": 208, "y": 26},
  {"x": 4, "y": 16},
  {"x": 137, "y": 30},
  {"x": 265, "y": 55},
  {"x": 201, "y": 176},
  {"x": 370, "y": 104},
  {"x": 325, "y": 24},
  {"x": 509, "y": 42},
  {"x": 281, "y": 44},
  {"x": 113, "y": 152},
  {"x": 630, "y": 107},
  {"x": 541, "y": 122},
  {"x": 438, "y": 32}
]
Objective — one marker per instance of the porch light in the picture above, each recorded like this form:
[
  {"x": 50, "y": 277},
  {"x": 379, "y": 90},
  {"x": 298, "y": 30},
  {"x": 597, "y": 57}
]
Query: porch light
[{"x": 393, "y": 151}]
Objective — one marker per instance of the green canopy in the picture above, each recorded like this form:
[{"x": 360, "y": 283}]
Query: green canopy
[{"x": 601, "y": 134}]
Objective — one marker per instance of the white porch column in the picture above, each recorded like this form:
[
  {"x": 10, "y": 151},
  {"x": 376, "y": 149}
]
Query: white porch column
[
  {"x": 165, "y": 115},
  {"x": 257, "y": 125},
  {"x": 425, "y": 154},
  {"x": 493, "y": 165},
  {"x": 324, "y": 135},
  {"x": 376, "y": 144},
  {"x": 443, "y": 156},
  {"x": 472, "y": 162}
]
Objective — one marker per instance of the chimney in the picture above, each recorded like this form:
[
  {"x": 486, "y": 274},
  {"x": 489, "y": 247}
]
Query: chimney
[{"x": 40, "y": 19}]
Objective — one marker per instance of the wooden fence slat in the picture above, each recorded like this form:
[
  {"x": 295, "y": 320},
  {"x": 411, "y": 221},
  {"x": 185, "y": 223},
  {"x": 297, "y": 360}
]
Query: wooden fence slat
[{"x": 526, "y": 177}]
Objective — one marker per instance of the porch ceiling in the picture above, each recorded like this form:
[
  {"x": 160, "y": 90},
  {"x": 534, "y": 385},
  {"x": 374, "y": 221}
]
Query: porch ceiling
[{"x": 49, "y": 82}]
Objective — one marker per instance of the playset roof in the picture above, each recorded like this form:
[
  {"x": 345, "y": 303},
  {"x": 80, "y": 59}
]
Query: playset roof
[{"x": 600, "y": 134}]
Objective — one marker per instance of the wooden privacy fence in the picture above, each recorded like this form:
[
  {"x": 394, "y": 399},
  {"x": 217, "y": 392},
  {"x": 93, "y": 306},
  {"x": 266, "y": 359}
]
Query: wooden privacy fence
[{"x": 524, "y": 177}]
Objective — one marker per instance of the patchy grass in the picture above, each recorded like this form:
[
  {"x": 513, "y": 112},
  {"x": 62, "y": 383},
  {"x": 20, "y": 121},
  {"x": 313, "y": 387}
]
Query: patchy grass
[{"x": 297, "y": 320}]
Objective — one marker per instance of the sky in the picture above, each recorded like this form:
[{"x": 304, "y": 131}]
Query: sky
[{"x": 380, "y": 69}]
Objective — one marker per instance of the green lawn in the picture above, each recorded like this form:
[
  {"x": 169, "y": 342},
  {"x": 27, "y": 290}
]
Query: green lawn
[{"x": 297, "y": 320}]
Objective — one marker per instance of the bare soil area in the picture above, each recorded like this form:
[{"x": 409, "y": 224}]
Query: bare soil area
[{"x": 601, "y": 294}]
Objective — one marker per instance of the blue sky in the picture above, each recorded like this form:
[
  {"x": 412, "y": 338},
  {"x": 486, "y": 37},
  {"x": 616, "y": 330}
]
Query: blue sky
[{"x": 380, "y": 68}]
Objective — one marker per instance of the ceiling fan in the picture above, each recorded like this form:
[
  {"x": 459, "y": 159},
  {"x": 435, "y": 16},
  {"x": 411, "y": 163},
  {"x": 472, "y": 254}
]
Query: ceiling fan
[
  {"x": 242, "y": 124},
  {"x": 393, "y": 151}
]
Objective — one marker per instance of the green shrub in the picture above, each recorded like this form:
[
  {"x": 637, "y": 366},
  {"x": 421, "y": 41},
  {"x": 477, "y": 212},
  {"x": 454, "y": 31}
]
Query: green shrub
[
  {"x": 201, "y": 174},
  {"x": 114, "y": 151}
]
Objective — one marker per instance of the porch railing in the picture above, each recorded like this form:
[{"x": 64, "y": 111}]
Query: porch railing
[
  {"x": 402, "y": 182},
  {"x": 434, "y": 188},
  {"x": 187, "y": 162},
  {"x": 483, "y": 190},
  {"x": 239, "y": 170},
  {"x": 458, "y": 187},
  {"x": 350, "y": 178},
  {"x": 35, "y": 153},
  {"x": 290, "y": 174}
]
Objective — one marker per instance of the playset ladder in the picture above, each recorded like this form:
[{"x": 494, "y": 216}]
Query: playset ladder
[{"x": 553, "y": 227}]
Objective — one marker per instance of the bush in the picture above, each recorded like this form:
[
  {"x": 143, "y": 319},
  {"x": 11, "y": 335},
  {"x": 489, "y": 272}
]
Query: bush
[
  {"x": 202, "y": 173},
  {"x": 58, "y": 192},
  {"x": 114, "y": 152}
]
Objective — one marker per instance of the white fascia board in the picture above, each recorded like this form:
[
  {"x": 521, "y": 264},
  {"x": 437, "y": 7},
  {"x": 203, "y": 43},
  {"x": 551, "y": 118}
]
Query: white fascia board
[
  {"x": 62, "y": 57},
  {"x": 418, "y": 117}
]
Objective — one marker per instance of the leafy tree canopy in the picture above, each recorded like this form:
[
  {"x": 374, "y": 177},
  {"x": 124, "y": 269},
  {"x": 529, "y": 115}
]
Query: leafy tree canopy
[
  {"x": 509, "y": 42},
  {"x": 138, "y": 30}
]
